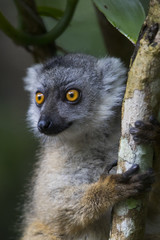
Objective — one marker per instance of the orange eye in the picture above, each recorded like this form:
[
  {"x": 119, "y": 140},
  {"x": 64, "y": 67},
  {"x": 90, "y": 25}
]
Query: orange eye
[
  {"x": 72, "y": 95},
  {"x": 39, "y": 98}
]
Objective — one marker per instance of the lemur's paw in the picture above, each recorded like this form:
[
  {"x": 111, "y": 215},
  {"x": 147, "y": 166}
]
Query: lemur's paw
[
  {"x": 131, "y": 183},
  {"x": 146, "y": 132}
]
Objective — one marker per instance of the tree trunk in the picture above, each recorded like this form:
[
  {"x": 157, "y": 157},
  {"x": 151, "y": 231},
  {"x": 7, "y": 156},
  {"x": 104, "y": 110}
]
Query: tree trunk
[{"x": 141, "y": 100}]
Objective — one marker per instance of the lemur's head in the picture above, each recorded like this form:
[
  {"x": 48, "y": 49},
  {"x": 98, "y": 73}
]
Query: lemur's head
[{"x": 72, "y": 93}]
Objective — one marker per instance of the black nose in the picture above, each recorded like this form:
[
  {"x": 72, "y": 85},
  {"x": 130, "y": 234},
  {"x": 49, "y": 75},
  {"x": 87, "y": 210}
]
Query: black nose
[
  {"x": 44, "y": 125},
  {"x": 52, "y": 126}
]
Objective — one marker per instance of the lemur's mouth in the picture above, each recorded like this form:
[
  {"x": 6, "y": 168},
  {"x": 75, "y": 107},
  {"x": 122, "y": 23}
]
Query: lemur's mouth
[{"x": 49, "y": 127}]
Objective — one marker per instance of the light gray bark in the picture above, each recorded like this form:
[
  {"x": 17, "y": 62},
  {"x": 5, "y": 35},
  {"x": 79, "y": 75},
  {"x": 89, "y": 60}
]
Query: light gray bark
[{"x": 141, "y": 100}]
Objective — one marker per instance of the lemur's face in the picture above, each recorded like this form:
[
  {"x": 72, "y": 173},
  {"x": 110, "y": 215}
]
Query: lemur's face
[
  {"x": 66, "y": 97},
  {"x": 52, "y": 117},
  {"x": 68, "y": 94}
]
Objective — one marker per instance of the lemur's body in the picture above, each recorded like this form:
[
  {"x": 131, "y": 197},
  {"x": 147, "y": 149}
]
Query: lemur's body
[{"x": 70, "y": 198}]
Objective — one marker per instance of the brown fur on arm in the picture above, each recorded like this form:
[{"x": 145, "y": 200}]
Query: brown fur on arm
[
  {"x": 84, "y": 205},
  {"x": 99, "y": 197},
  {"x": 39, "y": 231}
]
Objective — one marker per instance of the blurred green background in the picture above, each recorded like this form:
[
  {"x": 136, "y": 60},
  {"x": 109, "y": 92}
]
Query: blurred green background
[{"x": 17, "y": 144}]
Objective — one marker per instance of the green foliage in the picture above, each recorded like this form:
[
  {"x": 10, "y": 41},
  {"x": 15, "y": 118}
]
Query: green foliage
[
  {"x": 127, "y": 16},
  {"x": 25, "y": 39},
  {"x": 50, "y": 12},
  {"x": 83, "y": 33},
  {"x": 145, "y": 4}
]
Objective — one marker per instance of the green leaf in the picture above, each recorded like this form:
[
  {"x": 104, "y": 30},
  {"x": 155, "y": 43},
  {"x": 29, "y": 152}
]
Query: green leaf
[
  {"x": 145, "y": 4},
  {"x": 127, "y": 15}
]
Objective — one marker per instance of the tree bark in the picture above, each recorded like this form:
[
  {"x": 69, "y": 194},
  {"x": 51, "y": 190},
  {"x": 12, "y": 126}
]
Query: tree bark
[{"x": 141, "y": 100}]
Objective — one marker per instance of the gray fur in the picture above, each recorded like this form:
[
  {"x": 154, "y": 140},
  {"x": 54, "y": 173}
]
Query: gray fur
[{"x": 78, "y": 155}]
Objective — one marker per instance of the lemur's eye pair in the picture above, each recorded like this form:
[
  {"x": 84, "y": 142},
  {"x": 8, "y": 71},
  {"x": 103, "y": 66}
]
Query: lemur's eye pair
[{"x": 72, "y": 96}]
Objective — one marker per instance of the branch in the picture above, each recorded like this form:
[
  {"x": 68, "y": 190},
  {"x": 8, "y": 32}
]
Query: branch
[
  {"x": 31, "y": 23},
  {"x": 141, "y": 100},
  {"x": 50, "y": 12},
  {"x": 23, "y": 38}
]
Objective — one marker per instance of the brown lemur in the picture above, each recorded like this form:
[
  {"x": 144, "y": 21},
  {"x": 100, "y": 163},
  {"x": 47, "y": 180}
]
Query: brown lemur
[{"x": 75, "y": 112}]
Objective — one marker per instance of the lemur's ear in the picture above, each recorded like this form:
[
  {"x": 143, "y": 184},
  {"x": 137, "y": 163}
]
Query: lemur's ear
[
  {"x": 113, "y": 70},
  {"x": 32, "y": 77},
  {"x": 113, "y": 76}
]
